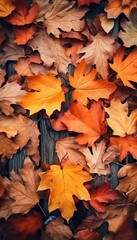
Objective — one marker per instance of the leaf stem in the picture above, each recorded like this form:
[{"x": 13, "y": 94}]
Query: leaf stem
[
  {"x": 118, "y": 163},
  {"x": 42, "y": 210}
]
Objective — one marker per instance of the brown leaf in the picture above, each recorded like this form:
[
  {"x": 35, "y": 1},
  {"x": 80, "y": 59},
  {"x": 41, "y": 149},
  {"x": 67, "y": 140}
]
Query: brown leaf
[
  {"x": 57, "y": 230},
  {"x": 86, "y": 234},
  {"x": 2, "y": 76},
  {"x": 21, "y": 189},
  {"x": 23, "y": 67},
  {"x": 7, "y": 146}
]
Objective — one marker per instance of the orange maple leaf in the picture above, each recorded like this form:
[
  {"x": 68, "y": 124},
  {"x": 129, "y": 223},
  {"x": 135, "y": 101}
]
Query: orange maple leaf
[
  {"x": 22, "y": 15},
  {"x": 87, "y": 87},
  {"x": 24, "y": 34},
  {"x": 115, "y": 7},
  {"x": 89, "y": 122},
  {"x": 126, "y": 69},
  {"x": 127, "y": 144},
  {"x": 48, "y": 94},
  {"x": 6, "y": 7}
]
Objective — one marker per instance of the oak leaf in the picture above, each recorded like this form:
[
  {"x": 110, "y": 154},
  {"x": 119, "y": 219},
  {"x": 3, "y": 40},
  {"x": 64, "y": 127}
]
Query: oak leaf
[
  {"x": 127, "y": 144},
  {"x": 22, "y": 15},
  {"x": 23, "y": 227},
  {"x": 101, "y": 194},
  {"x": 6, "y": 8},
  {"x": 99, "y": 52},
  {"x": 48, "y": 94},
  {"x": 56, "y": 229},
  {"x": 119, "y": 121},
  {"x": 125, "y": 67},
  {"x": 24, "y": 34},
  {"x": 128, "y": 183},
  {"x": 115, "y": 7},
  {"x": 98, "y": 161},
  {"x": 21, "y": 189},
  {"x": 68, "y": 148},
  {"x": 89, "y": 122},
  {"x": 85, "y": 86},
  {"x": 87, "y": 2},
  {"x": 70, "y": 180},
  {"x": 63, "y": 15},
  {"x": 10, "y": 93},
  {"x": 51, "y": 51},
  {"x": 7, "y": 146},
  {"x": 24, "y": 132}
]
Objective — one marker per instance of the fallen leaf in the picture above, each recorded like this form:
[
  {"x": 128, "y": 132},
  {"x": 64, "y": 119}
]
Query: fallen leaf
[
  {"x": 10, "y": 93},
  {"x": 87, "y": 2},
  {"x": 127, "y": 144},
  {"x": 21, "y": 189},
  {"x": 23, "y": 226},
  {"x": 63, "y": 15},
  {"x": 2, "y": 76},
  {"x": 106, "y": 24},
  {"x": 86, "y": 234},
  {"x": 51, "y": 51},
  {"x": 70, "y": 179},
  {"x": 99, "y": 52},
  {"x": 57, "y": 229},
  {"x": 24, "y": 34},
  {"x": 68, "y": 148},
  {"x": 78, "y": 119},
  {"x": 102, "y": 194},
  {"x": 115, "y": 7},
  {"x": 22, "y": 15},
  {"x": 43, "y": 8},
  {"x": 48, "y": 94},
  {"x": 6, "y": 8},
  {"x": 125, "y": 67},
  {"x": 119, "y": 121},
  {"x": 85, "y": 86},
  {"x": 7, "y": 146},
  {"x": 98, "y": 161},
  {"x": 23, "y": 67},
  {"x": 128, "y": 183}
]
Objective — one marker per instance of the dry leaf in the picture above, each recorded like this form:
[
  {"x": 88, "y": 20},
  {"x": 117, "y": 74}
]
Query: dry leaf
[
  {"x": 70, "y": 180},
  {"x": 106, "y": 24},
  {"x": 7, "y": 146},
  {"x": 23, "y": 67},
  {"x": 87, "y": 2},
  {"x": 86, "y": 234},
  {"x": 48, "y": 94},
  {"x": 6, "y": 8},
  {"x": 24, "y": 34}
]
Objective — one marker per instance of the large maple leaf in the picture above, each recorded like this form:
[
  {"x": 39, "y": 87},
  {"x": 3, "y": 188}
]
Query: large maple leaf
[
  {"x": 48, "y": 94},
  {"x": 10, "y": 93},
  {"x": 87, "y": 87},
  {"x": 51, "y": 51},
  {"x": 119, "y": 121},
  {"x": 89, "y": 122},
  {"x": 126, "y": 68},
  {"x": 63, "y": 184},
  {"x": 63, "y": 15},
  {"x": 115, "y": 7},
  {"x": 99, "y": 52},
  {"x": 127, "y": 144},
  {"x": 21, "y": 190},
  {"x": 6, "y": 7}
]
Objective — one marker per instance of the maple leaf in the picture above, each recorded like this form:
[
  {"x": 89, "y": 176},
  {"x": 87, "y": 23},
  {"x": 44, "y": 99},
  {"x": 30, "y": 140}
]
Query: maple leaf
[
  {"x": 23, "y": 67},
  {"x": 55, "y": 228},
  {"x": 48, "y": 94},
  {"x": 101, "y": 194},
  {"x": 127, "y": 144},
  {"x": 24, "y": 131},
  {"x": 6, "y": 8},
  {"x": 128, "y": 183},
  {"x": 43, "y": 8},
  {"x": 98, "y": 161},
  {"x": 70, "y": 179},
  {"x": 87, "y": 2},
  {"x": 22, "y": 226},
  {"x": 115, "y": 7},
  {"x": 87, "y": 87},
  {"x": 68, "y": 148},
  {"x": 78, "y": 119},
  {"x": 106, "y": 24},
  {"x": 21, "y": 189},
  {"x": 10, "y": 93},
  {"x": 7, "y": 146},
  {"x": 24, "y": 34},
  {"x": 119, "y": 121},
  {"x": 99, "y": 51},
  {"x": 22, "y": 15},
  {"x": 63, "y": 15},
  {"x": 50, "y": 51},
  {"x": 86, "y": 234}
]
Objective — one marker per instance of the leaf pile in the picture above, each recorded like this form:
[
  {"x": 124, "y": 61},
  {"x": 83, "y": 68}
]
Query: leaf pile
[{"x": 73, "y": 65}]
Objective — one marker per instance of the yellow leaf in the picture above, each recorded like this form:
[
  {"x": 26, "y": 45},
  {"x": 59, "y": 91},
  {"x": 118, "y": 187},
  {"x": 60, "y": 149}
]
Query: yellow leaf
[
  {"x": 48, "y": 94},
  {"x": 63, "y": 184},
  {"x": 119, "y": 121}
]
